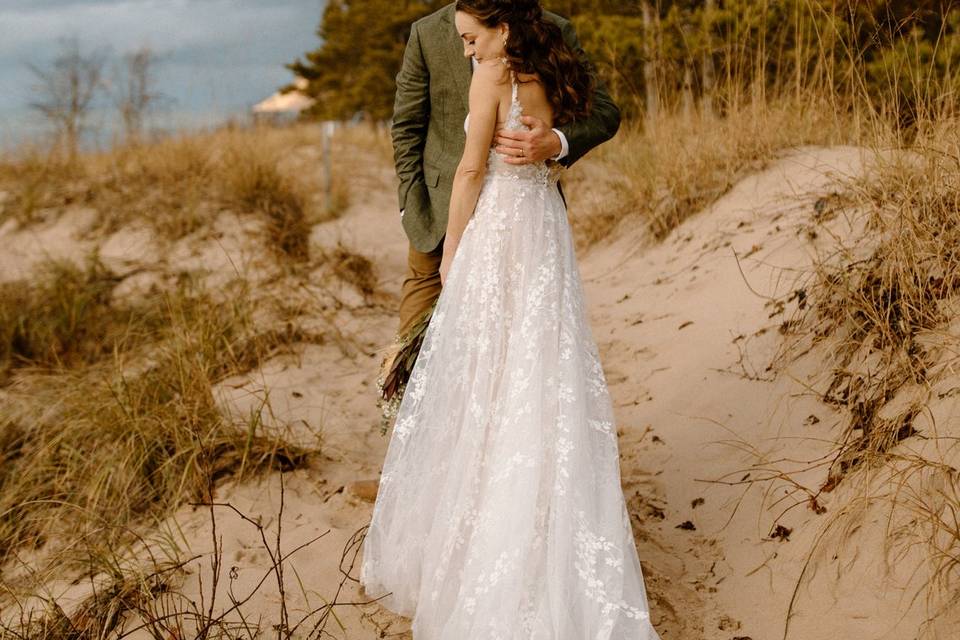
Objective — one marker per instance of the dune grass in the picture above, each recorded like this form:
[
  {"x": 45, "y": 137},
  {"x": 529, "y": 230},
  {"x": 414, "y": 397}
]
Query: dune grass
[
  {"x": 108, "y": 413},
  {"x": 62, "y": 319},
  {"x": 37, "y": 185},
  {"x": 130, "y": 432},
  {"x": 353, "y": 268},
  {"x": 177, "y": 185},
  {"x": 881, "y": 302},
  {"x": 654, "y": 177},
  {"x": 253, "y": 181},
  {"x": 108, "y": 419},
  {"x": 886, "y": 307}
]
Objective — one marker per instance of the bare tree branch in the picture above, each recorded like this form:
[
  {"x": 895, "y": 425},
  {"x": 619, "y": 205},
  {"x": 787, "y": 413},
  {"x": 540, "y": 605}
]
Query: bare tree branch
[
  {"x": 66, "y": 90},
  {"x": 133, "y": 92}
]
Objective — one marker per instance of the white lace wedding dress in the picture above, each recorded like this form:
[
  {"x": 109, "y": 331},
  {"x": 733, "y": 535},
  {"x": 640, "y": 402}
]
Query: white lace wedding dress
[{"x": 500, "y": 513}]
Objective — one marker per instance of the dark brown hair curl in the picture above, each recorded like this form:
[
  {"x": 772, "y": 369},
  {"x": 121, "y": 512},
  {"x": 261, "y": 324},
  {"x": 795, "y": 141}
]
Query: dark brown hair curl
[{"x": 535, "y": 45}]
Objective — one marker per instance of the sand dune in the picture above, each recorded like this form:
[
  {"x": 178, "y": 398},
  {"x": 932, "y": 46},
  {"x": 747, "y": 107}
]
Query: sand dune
[{"x": 709, "y": 417}]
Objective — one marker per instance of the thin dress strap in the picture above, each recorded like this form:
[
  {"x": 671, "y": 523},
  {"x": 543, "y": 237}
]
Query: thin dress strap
[{"x": 516, "y": 110}]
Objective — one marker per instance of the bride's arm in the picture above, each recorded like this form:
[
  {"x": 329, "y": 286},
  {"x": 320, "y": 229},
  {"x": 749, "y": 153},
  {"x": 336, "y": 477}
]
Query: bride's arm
[{"x": 484, "y": 101}]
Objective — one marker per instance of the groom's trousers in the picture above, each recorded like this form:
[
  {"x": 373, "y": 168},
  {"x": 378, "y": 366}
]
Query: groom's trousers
[{"x": 421, "y": 286}]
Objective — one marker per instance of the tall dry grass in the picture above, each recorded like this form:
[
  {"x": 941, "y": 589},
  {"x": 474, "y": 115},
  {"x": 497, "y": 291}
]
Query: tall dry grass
[
  {"x": 887, "y": 297},
  {"x": 142, "y": 592},
  {"x": 177, "y": 185},
  {"x": 37, "y": 185},
  {"x": 108, "y": 419},
  {"x": 63, "y": 318},
  {"x": 107, "y": 401},
  {"x": 655, "y": 177},
  {"x": 253, "y": 182},
  {"x": 90, "y": 449}
]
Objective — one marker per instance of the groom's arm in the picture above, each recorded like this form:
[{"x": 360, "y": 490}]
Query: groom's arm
[
  {"x": 411, "y": 114},
  {"x": 604, "y": 119}
]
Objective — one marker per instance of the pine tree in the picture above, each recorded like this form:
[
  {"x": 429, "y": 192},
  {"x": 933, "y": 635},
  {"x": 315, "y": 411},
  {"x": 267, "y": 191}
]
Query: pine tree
[
  {"x": 354, "y": 69},
  {"x": 658, "y": 53}
]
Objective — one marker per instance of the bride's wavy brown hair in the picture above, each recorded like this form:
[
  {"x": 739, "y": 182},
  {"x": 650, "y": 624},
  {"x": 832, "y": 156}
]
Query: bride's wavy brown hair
[{"x": 535, "y": 45}]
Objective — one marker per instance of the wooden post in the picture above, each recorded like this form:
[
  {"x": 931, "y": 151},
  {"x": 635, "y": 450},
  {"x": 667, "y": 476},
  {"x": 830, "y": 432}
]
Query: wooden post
[
  {"x": 707, "y": 72},
  {"x": 687, "y": 89},
  {"x": 650, "y": 65},
  {"x": 327, "y": 129}
]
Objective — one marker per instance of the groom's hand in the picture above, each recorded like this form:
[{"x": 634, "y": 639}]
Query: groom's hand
[{"x": 526, "y": 147}]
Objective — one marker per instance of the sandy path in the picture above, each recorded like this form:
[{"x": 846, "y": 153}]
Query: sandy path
[
  {"x": 687, "y": 334},
  {"x": 329, "y": 394},
  {"x": 665, "y": 318}
]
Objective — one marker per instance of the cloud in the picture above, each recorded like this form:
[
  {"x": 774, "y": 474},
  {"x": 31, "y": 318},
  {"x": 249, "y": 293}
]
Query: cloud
[
  {"x": 228, "y": 52},
  {"x": 48, "y": 5},
  {"x": 168, "y": 25}
]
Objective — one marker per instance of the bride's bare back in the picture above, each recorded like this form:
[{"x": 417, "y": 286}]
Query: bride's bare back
[{"x": 531, "y": 95}]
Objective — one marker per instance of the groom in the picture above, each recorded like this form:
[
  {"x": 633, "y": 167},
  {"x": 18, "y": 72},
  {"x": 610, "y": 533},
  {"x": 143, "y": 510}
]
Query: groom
[{"x": 428, "y": 139}]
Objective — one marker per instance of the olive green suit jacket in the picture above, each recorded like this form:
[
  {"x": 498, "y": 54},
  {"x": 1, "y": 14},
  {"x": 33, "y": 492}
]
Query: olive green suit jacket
[{"x": 433, "y": 88}]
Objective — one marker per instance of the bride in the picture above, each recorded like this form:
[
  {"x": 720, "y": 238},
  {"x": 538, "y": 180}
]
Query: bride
[{"x": 500, "y": 513}]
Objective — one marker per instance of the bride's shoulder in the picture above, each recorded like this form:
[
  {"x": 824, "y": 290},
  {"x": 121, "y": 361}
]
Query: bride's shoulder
[
  {"x": 490, "y": 72},
  {"x": 486, "y": 90}
]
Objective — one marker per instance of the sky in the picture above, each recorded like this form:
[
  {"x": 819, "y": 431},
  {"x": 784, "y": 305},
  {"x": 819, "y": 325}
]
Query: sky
[{"x": 216, "y": 58}]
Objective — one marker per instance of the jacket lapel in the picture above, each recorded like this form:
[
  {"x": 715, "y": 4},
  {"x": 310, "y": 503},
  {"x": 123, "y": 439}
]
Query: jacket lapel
[{"x": 460, "y": 66}]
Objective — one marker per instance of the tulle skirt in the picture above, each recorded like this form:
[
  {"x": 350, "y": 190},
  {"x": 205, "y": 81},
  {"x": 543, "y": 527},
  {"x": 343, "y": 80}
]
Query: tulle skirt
[{"x": 500, "y": 513}]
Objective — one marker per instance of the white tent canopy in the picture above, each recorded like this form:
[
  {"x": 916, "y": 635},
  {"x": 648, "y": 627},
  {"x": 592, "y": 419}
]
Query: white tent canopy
[{"x": 292, "y": 102}]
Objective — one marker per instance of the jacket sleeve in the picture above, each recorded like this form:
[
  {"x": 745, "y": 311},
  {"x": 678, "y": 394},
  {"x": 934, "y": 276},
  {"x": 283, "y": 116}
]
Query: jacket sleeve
[
  {"x": 411, "y": 114},
  {"x": 604, "y": 119}
]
